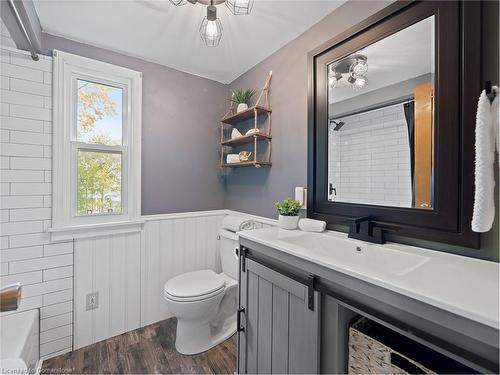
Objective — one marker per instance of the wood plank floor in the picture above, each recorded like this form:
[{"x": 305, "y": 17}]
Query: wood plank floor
[{"x": 145, "y": 350}]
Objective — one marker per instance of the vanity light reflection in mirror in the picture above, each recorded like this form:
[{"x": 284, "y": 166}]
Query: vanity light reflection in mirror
[{"x": 381, "y": 121}]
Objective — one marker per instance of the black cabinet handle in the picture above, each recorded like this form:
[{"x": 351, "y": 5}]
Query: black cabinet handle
[
  {"x": 239, "y": 328},
  {"x": 243, "y": 255},
  {"x": 311, "y": 281}
]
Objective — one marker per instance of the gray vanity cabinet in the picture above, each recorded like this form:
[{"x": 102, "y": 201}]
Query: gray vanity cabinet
[
  {"x": 295, "y": 317},
  {"x": 279, "y": 329}
]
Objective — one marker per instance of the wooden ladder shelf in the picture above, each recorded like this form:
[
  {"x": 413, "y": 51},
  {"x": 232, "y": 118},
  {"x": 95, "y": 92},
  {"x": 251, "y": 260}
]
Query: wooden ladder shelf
[{"x": 234, "y": 119}]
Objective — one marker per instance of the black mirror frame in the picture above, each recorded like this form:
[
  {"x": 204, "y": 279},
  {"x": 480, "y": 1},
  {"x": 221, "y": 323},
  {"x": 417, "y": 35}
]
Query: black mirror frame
[{"x": 458, "y": 49}]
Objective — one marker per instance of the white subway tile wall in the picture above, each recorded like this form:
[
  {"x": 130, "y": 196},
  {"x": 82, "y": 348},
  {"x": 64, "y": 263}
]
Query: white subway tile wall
[
  {"x": 27, "y": 255},
  {"x": 369, "y": 159}
]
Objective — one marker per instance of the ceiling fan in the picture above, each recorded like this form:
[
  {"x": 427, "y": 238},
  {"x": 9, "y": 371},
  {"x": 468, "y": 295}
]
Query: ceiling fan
[{"x": 211, "y": 27}]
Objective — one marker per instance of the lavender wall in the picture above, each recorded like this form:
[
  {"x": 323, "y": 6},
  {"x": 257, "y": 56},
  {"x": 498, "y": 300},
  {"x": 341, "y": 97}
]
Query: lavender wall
[
  {"x": 255, "y": 190},
  {"x": 180, "y": 114}
]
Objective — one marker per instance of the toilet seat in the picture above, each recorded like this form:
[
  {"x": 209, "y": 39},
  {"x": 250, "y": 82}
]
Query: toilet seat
[
  {"x": 192, "y": 299},
  {"x": 194, "y": 286}
]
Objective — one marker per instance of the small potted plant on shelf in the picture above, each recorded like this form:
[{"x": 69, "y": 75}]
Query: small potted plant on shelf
[
  {"x": 242, "y": 98},
  {"x": 288, "y": 210}
]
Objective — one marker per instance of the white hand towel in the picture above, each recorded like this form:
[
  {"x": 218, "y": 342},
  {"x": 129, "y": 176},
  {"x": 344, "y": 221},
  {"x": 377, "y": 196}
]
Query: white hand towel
[
  {"x": 236, "y": 223},
  {"x": 310, "y": 225},
  {"x": 495, "y": 116},
  {"x": 484, "y": 201}
]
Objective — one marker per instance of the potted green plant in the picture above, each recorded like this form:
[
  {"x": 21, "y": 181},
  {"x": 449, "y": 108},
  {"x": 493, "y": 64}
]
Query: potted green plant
[
  {"x": 288, "y": 210},
  {"x": 242, "y": 98}
]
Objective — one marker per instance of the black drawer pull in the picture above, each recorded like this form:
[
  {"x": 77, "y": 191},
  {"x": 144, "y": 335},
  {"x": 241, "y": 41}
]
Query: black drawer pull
[
  {"x": 243, "y": 255},
  {"x": 311, "y": 284}
]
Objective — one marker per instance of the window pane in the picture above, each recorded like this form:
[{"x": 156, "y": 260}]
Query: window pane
[
  {"x": 99, "y": 183},
  {"x": 99, "y": 113}
]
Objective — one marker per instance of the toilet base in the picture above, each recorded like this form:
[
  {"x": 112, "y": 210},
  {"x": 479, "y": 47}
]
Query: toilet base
[
  {"x": 194, "y": 338},
  {"x": 204, "y": 323}
]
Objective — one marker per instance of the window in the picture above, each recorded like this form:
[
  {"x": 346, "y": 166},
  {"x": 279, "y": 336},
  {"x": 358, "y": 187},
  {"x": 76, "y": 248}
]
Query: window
[
  {"x": 97, "y": 130},
  {"x": 99, "y": 147}
]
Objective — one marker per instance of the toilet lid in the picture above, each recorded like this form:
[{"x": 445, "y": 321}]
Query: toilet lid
[{"x": 193, "y": 284}]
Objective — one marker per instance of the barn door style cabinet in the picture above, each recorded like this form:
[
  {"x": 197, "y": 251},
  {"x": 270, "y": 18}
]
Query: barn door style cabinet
[
  {"x": 295, "y": 316},
  {"x": 278, "y": 322}
]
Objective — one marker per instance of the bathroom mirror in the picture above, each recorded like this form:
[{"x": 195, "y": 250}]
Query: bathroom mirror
[
  {"x": 391, "y": 114},
  {"x": 380, "y": 121}
]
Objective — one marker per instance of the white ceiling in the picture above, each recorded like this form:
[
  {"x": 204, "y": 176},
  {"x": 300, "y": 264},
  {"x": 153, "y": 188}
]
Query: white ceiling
[
  {"x": 159, "y": 32},
  {"x": 401, "y": 56}
]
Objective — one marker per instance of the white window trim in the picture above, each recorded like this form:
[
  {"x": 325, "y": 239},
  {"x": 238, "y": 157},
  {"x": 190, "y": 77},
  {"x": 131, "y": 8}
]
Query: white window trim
[{"x": 65, "y": 223}]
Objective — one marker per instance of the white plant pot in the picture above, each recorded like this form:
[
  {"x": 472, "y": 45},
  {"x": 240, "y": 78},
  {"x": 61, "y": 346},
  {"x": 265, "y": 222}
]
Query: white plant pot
[
  {"x": 242, "y": 107},
  {"x": 288, "y": 222}
]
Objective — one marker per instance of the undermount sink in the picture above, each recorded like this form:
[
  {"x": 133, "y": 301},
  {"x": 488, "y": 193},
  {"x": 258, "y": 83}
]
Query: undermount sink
[{"x": 356, "y": 255}]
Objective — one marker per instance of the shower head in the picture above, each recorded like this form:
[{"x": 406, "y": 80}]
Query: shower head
[{"x": 338, "y": 125}]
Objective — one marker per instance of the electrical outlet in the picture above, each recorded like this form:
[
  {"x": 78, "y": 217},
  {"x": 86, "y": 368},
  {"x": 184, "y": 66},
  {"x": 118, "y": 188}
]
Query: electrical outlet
[{"x": 92, "y": 301}]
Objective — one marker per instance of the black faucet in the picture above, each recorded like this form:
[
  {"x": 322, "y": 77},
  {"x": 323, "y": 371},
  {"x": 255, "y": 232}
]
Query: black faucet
[{"x": 364, "y": 229}]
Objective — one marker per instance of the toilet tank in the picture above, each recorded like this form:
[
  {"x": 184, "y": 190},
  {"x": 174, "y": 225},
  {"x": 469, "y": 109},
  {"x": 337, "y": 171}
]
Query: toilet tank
[{"x": 228, "y": 253}]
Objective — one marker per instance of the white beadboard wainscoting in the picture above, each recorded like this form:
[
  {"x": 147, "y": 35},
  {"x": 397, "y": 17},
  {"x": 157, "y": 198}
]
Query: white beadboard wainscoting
[
  {"x": 129, "y": 271},
  {"x": 109, "y": 265},
  {"x": 173, "y": 245}
]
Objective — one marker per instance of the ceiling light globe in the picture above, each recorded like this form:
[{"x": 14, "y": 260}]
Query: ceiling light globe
[
  {"x": 333, "y": 77},
  {"x": 211, "y": 31},
  {"x": 240, "y": 7},
  {"x": 360, "y": 82},
  {"x": 332, "y": 82},
  {"x": 359, "y": 67}
]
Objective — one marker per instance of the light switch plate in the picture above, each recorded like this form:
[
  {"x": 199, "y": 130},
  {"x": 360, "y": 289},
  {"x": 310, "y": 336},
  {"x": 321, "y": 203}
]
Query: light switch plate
[
  {"x": 92, "y": 301},
  {"x": 301, "y": 196}
]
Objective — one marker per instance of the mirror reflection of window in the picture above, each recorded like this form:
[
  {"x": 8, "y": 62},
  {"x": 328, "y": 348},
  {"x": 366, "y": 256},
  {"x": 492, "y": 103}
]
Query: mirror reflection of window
[{"x": 381, "y": 121}]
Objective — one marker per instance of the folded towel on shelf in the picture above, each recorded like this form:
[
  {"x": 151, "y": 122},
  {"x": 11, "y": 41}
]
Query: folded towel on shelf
[
  {"x": 252, "y": 131},
  {"x": 486, "y": 134},
  {"x": 235, "y": 133},
  {"x": 310, "y": 225},
  {"x": 236, "y": 223},
  {"x": 232, "y": 158}
]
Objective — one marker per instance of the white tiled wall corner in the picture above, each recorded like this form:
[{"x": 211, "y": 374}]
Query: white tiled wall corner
[
  {"x": 369, "y": 158},
  {"x": 45, "y": 269}
]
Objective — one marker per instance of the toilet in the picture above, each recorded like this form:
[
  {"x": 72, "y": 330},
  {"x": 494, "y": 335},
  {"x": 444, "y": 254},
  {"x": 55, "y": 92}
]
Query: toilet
[{"x": 205, "y": 302}]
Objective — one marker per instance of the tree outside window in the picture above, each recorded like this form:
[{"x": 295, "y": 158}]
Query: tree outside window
[{"x": 99, "y": 137}]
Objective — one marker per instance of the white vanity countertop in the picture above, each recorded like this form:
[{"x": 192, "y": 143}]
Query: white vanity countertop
[{"x": 462, "y": 285}]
